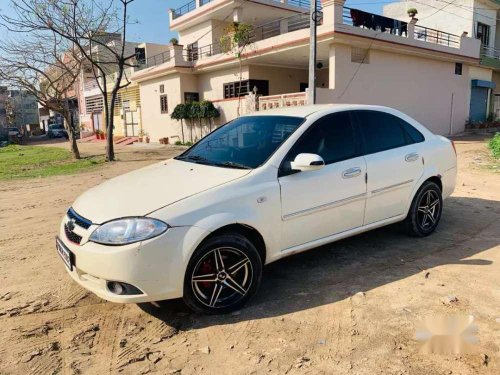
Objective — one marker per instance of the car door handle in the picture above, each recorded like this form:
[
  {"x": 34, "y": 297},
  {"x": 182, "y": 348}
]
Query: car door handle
[
  {"x": 351, "y": 172},
  {"x": 411, "y": 157}
]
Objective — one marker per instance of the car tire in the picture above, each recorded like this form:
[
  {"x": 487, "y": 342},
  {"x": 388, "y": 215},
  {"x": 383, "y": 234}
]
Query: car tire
[
  {"x": 222, "y": 275},
  {"x": 425, "y": 210}
]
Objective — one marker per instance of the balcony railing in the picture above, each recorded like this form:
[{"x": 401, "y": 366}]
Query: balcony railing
[
  {"x": 437, "y": 37},
  {"x": 155, "y": 60},
  {"x": 490, "y": 52},
  {"x": 285, "y": 100},
  {"x": 191, "y": 5},
  {"x": 381, "y": 24},
  {"x": 185, "y": 9}
]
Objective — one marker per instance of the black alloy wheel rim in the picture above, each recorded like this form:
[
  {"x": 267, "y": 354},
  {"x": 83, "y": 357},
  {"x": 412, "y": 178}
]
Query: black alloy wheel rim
[
  {"x": 429, "y": 209},
  {"x": 222, "y": 277}
]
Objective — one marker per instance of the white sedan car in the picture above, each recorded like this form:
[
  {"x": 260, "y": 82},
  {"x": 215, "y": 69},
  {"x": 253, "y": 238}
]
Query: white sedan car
[{"x": 262, "y": 187}]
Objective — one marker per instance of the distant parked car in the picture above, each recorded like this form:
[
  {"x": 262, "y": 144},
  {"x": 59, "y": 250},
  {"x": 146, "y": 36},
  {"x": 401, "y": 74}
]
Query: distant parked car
[
  {"x": 13, "y": 132},
  {"x": 260, "y": 188},
  {"x": 57, "y": 131}
]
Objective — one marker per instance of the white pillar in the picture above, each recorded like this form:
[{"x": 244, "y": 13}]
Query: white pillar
[
  {"x": 411, "y": 28},
  {"x": 238, "y": 14}
]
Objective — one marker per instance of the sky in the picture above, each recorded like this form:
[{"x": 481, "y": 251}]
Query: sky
[{"x": 152, "y": 17}]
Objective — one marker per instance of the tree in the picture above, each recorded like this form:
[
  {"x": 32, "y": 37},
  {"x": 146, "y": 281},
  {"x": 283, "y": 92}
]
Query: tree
[
  {"x": 96, "y": 30},
  {"x": 211, "y": 111},
  {"x": 42, "y": 64},
  {"x": 179, "y": 114},
  {"x": 236, "y": 38}
]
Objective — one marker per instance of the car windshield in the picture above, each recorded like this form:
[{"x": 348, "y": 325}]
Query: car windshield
[
  {"x": 244, "y": 143},
  {"x": 56, "y": 127}
]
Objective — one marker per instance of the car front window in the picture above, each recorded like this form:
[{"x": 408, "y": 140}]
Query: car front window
[{"x": 245, "y": 143}]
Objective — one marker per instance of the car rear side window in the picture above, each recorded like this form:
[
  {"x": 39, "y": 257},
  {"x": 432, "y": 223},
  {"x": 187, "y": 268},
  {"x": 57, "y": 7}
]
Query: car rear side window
[
  {"x": 413, "y": 134},
  {"x": 331, "y": 137},
  {"x": 381, "y": 131}
]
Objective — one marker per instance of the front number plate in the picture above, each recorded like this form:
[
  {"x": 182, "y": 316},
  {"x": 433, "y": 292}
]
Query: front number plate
[{"x": 65, "y": 254}]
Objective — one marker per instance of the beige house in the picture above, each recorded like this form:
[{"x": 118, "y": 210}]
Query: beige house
[
  {"x": 362, "y": 58},
  {"x": 479, "y": 18}
]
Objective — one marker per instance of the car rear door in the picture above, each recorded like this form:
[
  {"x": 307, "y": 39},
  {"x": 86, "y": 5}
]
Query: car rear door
[
  {"x": 320, "y": 203},
  {"x": 393, "y": 161}
]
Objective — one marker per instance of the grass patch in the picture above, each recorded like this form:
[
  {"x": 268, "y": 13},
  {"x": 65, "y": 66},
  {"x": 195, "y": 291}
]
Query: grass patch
[
  {"x": 39, "y": 161},
  {"x": 494, "y": 145}
]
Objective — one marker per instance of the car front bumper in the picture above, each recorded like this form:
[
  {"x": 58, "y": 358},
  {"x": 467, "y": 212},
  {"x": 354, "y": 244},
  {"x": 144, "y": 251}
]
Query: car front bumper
[{"x": 156, "y": 267}]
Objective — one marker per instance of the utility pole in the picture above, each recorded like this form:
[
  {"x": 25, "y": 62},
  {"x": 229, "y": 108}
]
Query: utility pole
[{"x": 312, "y": 52}]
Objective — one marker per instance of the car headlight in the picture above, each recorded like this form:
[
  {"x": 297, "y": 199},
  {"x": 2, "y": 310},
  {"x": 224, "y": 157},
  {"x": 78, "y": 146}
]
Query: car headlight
[{"x": 126, "y": 231}]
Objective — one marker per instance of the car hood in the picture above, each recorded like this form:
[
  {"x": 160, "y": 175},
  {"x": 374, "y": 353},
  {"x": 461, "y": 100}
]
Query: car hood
[{"x": 145, "y": 190}]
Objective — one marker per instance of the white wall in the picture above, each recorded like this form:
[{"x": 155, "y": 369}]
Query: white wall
[{"x": 422, "y": 88}]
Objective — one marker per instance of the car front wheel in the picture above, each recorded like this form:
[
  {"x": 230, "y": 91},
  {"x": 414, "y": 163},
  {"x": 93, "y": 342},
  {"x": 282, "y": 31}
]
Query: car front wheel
[
  {"x": 425, "y": 210},
  {"x": 222, "y": 275}
]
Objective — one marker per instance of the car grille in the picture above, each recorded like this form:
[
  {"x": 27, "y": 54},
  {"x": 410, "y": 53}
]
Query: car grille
[
  {"x": 77, "y": 220},
  {"x": 72, "y": 236}
]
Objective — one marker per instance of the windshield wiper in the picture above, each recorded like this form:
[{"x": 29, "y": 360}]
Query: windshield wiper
[
  {"x": 194, "y": 158},
  {"x": 232, "y": 164}
]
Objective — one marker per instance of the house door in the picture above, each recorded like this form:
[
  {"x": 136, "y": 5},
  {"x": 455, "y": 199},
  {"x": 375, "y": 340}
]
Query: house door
[
  {"x": 131, "y": 124},
  {"x": 96, "y": 120},
  {"x": 478, "y": 104}
]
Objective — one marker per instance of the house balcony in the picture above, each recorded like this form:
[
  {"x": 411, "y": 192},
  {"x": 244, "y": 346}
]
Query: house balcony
[
  {"x": 490, "y": 57},
  {"x": 285, "y": 41}
]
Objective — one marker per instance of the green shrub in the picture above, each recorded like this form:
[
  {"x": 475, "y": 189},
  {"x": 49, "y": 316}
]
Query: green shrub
[{"x": 494, "y": 145}]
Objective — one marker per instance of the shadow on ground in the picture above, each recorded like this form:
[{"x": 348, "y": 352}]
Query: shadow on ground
[{"x": 337, "y": 271}]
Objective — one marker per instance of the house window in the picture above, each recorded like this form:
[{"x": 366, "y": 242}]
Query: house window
[
  {"x": 190, "y": 97},
  {"x": 235, "y": 89},
  {"x": 162, "y": 89},
  {"x": 163, "y": 104},
  {"x": 483, "y": 33},
  {"x": 458, "y": 69},
  {"x": 359, "y": 55}
]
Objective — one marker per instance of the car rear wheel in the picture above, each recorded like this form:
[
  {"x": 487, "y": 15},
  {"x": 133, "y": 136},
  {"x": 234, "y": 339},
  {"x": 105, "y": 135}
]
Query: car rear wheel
[
  {"x": 425, "y": 210},
  {"x": 222, "y": 275}
]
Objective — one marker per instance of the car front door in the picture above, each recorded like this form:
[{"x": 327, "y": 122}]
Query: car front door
[
  {"x": 320, "y": 203},
  {"x": 393, "y": 161}
]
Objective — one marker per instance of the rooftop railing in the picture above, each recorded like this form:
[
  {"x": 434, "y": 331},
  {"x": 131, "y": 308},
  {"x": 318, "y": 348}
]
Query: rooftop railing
[
  {"x": 185, "y": 9},
  {"x": 155, "y": 60},
  {"x": 382, "y": 24},
  {"x": 191, "y": 5}
]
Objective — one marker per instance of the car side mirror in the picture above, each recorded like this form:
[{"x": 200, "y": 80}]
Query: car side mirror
[{"x": 307, "y": 162}]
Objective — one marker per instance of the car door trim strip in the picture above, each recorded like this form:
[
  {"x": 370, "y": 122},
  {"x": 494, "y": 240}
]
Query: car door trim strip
[
  {"x": 391, "y": 186},
  {"x": 325, "y": 206}
]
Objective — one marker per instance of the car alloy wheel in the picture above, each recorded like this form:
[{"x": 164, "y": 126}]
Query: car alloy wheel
[
  {"x": 428, "y": 209},
  {"x": 222, "y": 277},
  {"x": 425, "y": 210}
]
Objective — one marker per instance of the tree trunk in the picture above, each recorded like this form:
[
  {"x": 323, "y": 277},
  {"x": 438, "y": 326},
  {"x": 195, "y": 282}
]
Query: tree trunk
[
  {"x": 191, "y": 130},
  {"x": 110, "y": 147},
  {"x": 201, "y": 129},
  {"x": 182, "y": 130},
  {"x": 68, "y": 118},
  {"x": 238, "y": 111}
]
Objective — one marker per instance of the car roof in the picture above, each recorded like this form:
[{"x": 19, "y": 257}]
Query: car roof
[{"x": 307, "y": 110}]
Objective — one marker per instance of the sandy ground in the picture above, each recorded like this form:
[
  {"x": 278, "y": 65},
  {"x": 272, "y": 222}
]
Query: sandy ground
[{"x": 348, "y": 308}]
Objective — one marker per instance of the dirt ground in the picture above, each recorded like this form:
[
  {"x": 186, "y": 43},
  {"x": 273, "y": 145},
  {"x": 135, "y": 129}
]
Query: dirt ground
[{"x": 351, "y": 307}]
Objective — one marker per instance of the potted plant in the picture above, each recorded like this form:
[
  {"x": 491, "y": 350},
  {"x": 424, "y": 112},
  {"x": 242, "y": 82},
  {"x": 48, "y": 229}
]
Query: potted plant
[
  {"x": 412, "y": 12},
  {"x": 174, "y": 41},
  {"x": 142, "y": 133},
  {"x": 99, "y": 134}
]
